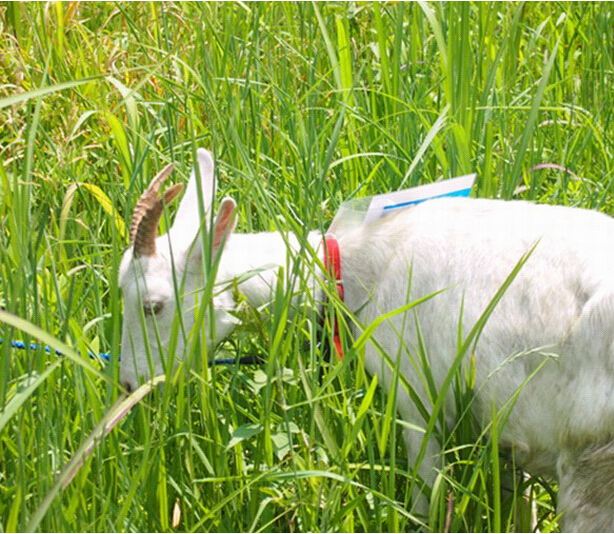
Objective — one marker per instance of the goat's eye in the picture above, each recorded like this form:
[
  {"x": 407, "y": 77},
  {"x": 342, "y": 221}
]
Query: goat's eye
[{"x": 152, "y": 308}]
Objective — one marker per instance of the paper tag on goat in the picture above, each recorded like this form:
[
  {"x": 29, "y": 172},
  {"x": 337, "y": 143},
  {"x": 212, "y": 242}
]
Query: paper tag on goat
[{"x": 364, "y": 210}]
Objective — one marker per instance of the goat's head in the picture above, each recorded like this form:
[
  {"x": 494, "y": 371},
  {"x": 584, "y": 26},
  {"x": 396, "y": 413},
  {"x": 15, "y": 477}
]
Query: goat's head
[{"x": 162, "y": 276}]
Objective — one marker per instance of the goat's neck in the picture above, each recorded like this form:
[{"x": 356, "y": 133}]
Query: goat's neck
[{"x": 263, "y": 254}]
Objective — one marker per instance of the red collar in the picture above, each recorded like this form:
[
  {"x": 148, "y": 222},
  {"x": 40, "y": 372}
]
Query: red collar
[{"x": 332, "y": 263}]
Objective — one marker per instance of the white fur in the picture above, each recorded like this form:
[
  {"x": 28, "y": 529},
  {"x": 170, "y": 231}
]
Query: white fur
[{"x": 556, "y": 318}]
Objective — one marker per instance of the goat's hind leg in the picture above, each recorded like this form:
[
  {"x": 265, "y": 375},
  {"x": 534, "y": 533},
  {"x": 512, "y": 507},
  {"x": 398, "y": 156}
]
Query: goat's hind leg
[{"x": 586, "y": 488}]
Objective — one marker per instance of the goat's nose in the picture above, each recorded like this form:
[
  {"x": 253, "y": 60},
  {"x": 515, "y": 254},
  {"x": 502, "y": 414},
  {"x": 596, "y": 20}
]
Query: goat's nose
[{"x": 128, "y": 386}]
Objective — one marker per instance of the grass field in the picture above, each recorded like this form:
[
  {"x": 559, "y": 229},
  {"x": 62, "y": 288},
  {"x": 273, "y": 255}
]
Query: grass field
[{"x": 305, "y": 105}]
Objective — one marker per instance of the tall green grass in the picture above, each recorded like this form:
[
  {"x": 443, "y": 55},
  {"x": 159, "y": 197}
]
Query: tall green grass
[{"x": 305, "y": 105}]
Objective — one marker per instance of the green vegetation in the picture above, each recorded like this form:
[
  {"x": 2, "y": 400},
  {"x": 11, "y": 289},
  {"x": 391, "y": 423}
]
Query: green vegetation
[{"x": 304, "y": 105}]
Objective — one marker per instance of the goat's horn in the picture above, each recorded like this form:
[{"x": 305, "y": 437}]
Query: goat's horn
[
  {"x": 147, "y": 213},
  {"x": 148, "y": 198}
]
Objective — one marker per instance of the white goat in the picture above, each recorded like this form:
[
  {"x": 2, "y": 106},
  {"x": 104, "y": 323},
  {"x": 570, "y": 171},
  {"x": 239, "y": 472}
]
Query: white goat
[{"x": 560, "y": 303}]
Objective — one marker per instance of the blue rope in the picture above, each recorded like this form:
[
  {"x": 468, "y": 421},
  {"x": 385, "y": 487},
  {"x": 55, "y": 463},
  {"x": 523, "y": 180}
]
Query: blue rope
[{"x": 243, "y": 360}]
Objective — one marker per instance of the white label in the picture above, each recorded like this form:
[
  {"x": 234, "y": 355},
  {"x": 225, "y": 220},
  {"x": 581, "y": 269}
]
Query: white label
[{"x": 382, "y": 205}]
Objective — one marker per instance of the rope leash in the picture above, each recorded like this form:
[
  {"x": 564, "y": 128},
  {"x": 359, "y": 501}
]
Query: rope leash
[{"x": 243, "y": 360}]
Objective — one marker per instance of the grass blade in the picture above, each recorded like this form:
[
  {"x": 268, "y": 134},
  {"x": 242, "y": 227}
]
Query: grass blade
[{"x": 115, "y": 414}]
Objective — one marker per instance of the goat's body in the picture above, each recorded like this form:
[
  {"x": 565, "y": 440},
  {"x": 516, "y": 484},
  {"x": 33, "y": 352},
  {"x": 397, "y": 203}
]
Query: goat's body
[
  {"x": 558, "y": 312},
  {"x": 546, "y": 352}
]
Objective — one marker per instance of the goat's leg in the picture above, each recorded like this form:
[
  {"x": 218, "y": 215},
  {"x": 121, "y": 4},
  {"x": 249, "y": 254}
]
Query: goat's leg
[
  {"x": 524, "y": 517},
  {"x": 426, "y": 470},
  {"x": 586, "y": 488}
]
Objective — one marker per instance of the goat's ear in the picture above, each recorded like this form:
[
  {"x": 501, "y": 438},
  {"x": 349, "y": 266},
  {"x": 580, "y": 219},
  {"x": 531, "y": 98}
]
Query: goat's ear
[
  {"x": 188, "y": 218},
  {"x": 224, "y": 222}
]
